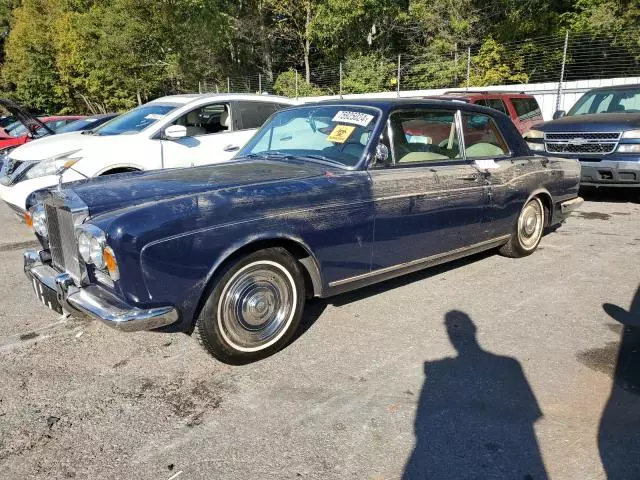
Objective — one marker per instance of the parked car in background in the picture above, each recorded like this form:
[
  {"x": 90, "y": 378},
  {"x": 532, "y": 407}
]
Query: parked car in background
[
  {"x": 521, "y": 108},
  {"x": 6, "y": 120},
  {"x": 602, "y": 131},
  {"x": 81, "y": 124},
  {"x": 173, "y": 131},
  {"x": 325, "y": 198},
  {"x": 18, "y": 134},
  {"x": 86, "y": 123}
]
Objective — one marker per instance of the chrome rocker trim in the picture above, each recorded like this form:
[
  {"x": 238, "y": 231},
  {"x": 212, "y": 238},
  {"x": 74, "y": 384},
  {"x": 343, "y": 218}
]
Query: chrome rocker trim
[
  {"x": 571, "y": 205},
  {"x": 94, "y": 301},
  {"x": 425, "y": 262}
]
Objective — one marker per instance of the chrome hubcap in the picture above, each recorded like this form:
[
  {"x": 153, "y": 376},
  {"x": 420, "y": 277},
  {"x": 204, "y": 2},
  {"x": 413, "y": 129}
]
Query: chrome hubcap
[
  {"x": 257, "y": 305},
  {"x": 531, "y": 224}
]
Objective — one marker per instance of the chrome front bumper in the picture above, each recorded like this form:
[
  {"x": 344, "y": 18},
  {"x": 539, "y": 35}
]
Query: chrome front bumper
[{"x": 92, "y": 301}]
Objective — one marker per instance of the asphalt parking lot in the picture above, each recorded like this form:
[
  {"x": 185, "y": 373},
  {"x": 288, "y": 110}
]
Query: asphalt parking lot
[{"x": 486, "y": 368}]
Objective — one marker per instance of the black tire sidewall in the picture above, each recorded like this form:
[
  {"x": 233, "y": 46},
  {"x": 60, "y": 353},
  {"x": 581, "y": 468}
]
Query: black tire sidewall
[{"x": 207, "y": 325}]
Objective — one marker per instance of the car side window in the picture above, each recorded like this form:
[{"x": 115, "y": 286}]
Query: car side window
[
  {"x": 205, "y": 120},
  {"x": 526, "y": 108},
  {"x": 482, "y": 138},
  {"x": 254, "y": 114},
  {"x": 494, "y": 103},
  {"x": 423, "y": 136}
]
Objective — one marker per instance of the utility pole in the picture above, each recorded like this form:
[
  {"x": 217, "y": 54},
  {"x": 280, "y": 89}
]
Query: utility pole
[
  {"x": 340, "y": 80},
  {"x": 564, "y": 62},
  {"x": 398, "y": 77},
  {"x": 259, "y": 83},
  {"x": 468, "y": 66}
]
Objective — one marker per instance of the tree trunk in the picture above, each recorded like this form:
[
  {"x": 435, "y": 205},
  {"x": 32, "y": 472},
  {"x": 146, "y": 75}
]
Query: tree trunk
[{"x": 265, "y": 43}]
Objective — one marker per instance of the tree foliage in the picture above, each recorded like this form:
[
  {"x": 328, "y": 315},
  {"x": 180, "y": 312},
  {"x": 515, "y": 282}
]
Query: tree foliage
[{"x": 100, "y": 55}]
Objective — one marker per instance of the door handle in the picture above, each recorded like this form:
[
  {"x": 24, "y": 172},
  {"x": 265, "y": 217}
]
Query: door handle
[
  {"x": 231, "y": 148},
  {"x": 469, "y": 178}
]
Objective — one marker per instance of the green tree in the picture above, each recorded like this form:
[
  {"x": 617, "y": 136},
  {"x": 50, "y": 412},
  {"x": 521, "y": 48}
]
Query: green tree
[
  {"x": 493, "y": 66},
  {"x": 368, "y": 73},
  {"x": 29, "y": 70},
  {"x": 288, "y": 85}
]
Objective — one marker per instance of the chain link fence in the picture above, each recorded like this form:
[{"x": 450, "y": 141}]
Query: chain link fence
[{"x": 537, "y": 60}]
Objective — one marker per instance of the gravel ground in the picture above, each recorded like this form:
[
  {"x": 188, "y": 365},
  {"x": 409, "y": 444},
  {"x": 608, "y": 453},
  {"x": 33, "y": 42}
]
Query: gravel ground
[{"x": 486, "y": 368}]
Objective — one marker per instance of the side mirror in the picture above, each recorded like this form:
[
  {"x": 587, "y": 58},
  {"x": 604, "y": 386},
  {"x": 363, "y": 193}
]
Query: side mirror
[
  {"x": 559, "y": 114},
  {"x": 175, "y": 132},
  {"x": 381, "y": 154}
]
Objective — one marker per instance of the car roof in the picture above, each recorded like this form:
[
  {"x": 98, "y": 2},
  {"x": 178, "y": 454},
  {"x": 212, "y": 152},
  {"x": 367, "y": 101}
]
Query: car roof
[
  {"x": 187, "y": 98},
  {"x": 386, "y": 104},
  {"x": 628, "y": 86}
]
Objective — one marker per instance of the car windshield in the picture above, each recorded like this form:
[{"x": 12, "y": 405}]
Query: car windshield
[
  {"x": 18, "y": 131},
  {"x": 135, "y": 120},
  {"x": 608, "y": 101},
  {"x": 12, "y": 126},
  {"x": 82, "y": 124},
  {"x": 332, "y": 133}
]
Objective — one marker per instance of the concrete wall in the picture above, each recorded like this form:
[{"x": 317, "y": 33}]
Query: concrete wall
[{"x": 545, "y": 93}]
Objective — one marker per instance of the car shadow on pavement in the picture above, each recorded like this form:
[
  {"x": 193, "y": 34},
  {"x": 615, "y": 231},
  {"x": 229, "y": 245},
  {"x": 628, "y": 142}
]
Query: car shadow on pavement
[
  {"x": 475, "y": 416},
  {"x": 610, "y": 195},
  {"x": 316, "y": 306},
  {"x": 619, "y": 432}
]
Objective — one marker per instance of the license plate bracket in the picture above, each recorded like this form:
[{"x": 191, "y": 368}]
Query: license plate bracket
[{"x": 47, "y": 296}]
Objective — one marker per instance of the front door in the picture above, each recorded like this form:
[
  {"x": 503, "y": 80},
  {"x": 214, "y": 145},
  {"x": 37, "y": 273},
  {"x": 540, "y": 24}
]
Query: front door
[
  {"x": 428, "y": 199},
  {"x": 211, "y": 137}
]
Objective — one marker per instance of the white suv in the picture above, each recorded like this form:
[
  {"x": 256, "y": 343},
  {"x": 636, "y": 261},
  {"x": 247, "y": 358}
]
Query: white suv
[{"x": 173, "y": 131}]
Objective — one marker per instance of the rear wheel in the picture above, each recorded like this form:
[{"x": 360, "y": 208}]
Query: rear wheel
[
  {"x": 528, "y": 230},
  {"x": 254, "y": 308}
]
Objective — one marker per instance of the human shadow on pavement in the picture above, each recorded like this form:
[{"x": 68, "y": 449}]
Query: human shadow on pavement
[
  {"x": 475, "y": 416},
  {"x": 619, "y": 433}
]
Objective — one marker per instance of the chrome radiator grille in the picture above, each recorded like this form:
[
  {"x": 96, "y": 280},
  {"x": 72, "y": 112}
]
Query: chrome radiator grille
[
  {"x": 62, "y": 240},
  {"x": 582, "y": 142}
]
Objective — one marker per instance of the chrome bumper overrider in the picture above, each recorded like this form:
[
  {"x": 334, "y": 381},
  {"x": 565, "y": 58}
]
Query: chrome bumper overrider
[
  {"x": 571, "y": 205},
  {"x": 94, "y": 301}
]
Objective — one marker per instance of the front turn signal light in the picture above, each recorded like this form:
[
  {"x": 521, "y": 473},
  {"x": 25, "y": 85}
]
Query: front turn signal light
[
  {"x": 111, "y": 264},
  {"x": 28, "y": 219}
]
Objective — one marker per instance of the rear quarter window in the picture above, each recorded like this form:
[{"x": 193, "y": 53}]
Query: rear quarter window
[
  {"x": 526, "y": 108},
  {"x": 254, "y": 114}
]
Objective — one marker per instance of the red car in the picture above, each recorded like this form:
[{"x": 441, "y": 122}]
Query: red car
[
  {"x": 28, "y": 126},
  {"x": 522, "y": 108}
]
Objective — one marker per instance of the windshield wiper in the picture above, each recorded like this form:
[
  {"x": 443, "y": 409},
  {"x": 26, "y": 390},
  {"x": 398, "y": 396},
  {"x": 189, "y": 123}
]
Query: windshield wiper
[{"x": 322, "y": 158}]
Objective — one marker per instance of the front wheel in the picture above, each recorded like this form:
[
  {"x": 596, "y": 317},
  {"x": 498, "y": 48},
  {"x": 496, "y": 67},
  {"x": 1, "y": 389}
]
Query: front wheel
[
  {"x": 528, "y": 230},
  {"x": 254, "y": 308}
]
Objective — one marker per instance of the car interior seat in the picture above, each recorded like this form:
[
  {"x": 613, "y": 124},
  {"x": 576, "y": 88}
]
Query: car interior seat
[
  {"x": 225, "y": 120},
  {"x": 193, "y": 124}
]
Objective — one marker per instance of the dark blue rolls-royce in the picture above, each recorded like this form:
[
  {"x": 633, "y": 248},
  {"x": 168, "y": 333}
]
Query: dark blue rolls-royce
[{"x": 325, "y": 198}]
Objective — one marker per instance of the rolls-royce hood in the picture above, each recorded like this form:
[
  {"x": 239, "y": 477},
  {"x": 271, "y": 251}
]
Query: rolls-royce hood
[
  {"x": 104, "y": 194},
  {"x": 600, "y": 122}
]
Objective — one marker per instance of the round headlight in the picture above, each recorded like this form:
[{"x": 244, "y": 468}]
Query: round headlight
[
  {"x": 95, "y": 253},
  {"x": 84, "y": 246},
  {"x": 39, "y": 220}
]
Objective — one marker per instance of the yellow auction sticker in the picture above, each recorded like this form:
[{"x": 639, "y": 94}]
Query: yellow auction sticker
[{"x": 341, "y": 133}]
